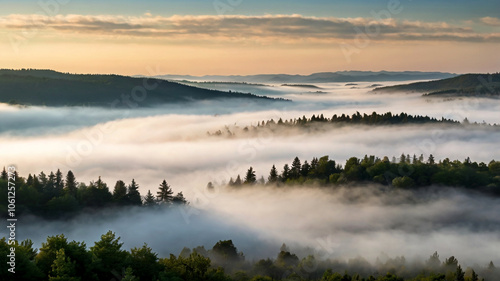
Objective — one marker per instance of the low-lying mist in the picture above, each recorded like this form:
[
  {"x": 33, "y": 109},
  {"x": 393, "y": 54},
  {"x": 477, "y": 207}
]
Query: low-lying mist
[{"x": 342, "y": 223}]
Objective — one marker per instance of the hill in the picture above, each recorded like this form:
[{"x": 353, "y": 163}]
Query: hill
[
  {"x": 51, "y": 88},
  {"x": 322, "y": 77},
  {"x": 463, "y": 85}
]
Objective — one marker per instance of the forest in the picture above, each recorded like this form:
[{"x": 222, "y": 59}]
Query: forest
[
  {"x": 50, "y": 88},
  {"x": 61, "y": 259},
  {"x": 471, "y": 84},
  {"x": 54, "y": 196},
  {"x": 408, "y": 172},
  {"x": 316, "y": 122}
]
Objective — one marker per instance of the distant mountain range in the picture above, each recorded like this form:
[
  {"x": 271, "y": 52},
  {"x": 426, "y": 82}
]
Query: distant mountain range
[
  {"x": 51, "y": 88},
  {"x": 322, "y": 77},
  {"x": 462, "y": 85}
]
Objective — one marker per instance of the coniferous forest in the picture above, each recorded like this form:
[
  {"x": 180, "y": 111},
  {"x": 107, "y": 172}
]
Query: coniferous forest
[{"x": 249, "y": 140}]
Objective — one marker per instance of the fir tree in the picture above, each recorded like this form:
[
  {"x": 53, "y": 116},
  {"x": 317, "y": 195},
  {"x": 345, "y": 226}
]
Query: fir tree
[
  {"x": 133, "y": 195},
  {"x": 273, "y": 175},
  {"x": 149, "y": 200},
  {"x": 250, "y": 177},
  {"x": 70, "y": 184},
  {"x": 120, "y": 192},
  {"x": 165, "y": 193},
  {"x": 4, "y": 175}
]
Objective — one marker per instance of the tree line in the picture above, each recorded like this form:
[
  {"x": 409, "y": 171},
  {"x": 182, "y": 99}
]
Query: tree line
[
  {"x": 56, "y": 196},
  {"x": 405, "y": 172},
  {"x": 374, "y": 119},
  {"x": 60, "y": 259}
]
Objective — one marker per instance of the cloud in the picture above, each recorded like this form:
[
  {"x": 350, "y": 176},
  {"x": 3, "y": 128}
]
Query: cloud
[
  {"x": 231, "y": 27},
  {"x": 491, "y": 21}
]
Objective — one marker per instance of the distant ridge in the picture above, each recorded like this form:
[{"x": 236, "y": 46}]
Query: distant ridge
[
  {"x": 462, "y": 85},
  {"x": 52, "y": 88},
  {"x": 321, "y": 77}
]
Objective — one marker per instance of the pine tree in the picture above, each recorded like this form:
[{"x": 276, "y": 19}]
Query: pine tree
[
  {"x": 4, "y": 175},
  {"x": 459, "y": 275},
  {"x": 286, "y": 173},
  {"x": 273, "y": 175},
  {"x": 70, "y": 184},
  {"x": 296, "y": 166},
  {"x": 474, "y": 276},
  {"x": 179, "y": 199},
  {"x": 59, "y": 183},
  {"x": 304, "y": 171},
  {"x": 250, "y": 177},
  {"x": 42, "y": 178},
  {"x": 237, "y": 182},
  {"x": 165, "y": 193},
  {"x": 120, "y": 192},
  {"x": 149, "y": 200},
  {"x": 133, "y": 195}
]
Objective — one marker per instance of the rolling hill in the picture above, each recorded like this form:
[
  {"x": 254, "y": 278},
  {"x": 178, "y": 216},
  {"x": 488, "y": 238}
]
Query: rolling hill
[
  {"x": 463, "y": 85},
  {"x": 321, "y": 77},
  {"x": 51, "y": 88}
]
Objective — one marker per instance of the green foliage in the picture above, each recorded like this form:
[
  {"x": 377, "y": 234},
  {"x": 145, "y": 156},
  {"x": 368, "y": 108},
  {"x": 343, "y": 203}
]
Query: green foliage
[
  {"x": 63, "y": 269},
  {"x": 108, "y": 257},
  {"x": 409, "y": 173},
  {"x": 59, "y": 259},
  {"x": 143, "y": 262}
]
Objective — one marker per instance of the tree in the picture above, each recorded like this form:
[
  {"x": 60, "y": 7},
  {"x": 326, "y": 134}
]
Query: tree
[
  {"x": 120, "y": 193},
  {"x": 129, "y": 275},
  {"x": 59, "y": 183},
  {"x": 295, "y": 170},
  {"x": 70, "y": 184},
  {"x": 108, "y": 256},
  {"x": 237, "y": 182},
  {"x": 133, "y": 195},
  {"x": 250, "y": 177},
  {"x": 63, "y": 269},
  {"x": 460, "y": 274},
  {"x": 431, "y": 160},
  {"x": 273, "y": 175},
  {"x": 149, "y": 200},
  {"x": 286, "y": 173},
  {"x": 76, "y": 251},
  {"x": 304, "y": 171},
  {"x": 144, "y": 263},
  {"x": 403, "y": 182},
  {"x": 4, "y": 175},
  {"x": 474, "y": 276},
  {"x": 165, "y": 193},
  {"x": 226, "y": 250},
  {"x": 179, "y": 199}
]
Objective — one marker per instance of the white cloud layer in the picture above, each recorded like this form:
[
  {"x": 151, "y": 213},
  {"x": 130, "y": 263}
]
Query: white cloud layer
[{"x": 230, "y": 27}]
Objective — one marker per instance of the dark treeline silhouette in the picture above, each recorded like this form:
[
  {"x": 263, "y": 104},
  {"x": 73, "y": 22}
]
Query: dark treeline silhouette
[
  {"x": 473, "y": 84},
  {"x": 50, "y": 88},
  {"x": 60, "y": 259},
  {"x": 405, "y": 172},
  {"x": 55, "y": 196},
  {"x": 357, "y": 118}
]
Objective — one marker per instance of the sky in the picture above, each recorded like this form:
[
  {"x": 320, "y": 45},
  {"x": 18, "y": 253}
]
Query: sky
[{"x": 207, "y": 37}]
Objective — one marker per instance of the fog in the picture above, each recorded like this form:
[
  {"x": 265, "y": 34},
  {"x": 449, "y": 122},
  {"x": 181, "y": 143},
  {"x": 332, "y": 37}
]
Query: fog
[
  {"x": 344, "y": 223},
  {"x": 171, "y": 142}
]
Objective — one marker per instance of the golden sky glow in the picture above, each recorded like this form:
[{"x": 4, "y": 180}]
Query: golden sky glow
[{"x": 237, "y": 44}]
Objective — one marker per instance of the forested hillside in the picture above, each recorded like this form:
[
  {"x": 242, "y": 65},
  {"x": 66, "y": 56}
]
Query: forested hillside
[{"x": 51, "y": 88}]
